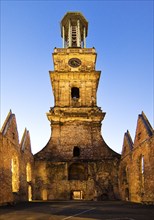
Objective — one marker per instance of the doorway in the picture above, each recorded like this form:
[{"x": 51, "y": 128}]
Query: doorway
[{"x": 77, "y": 195}]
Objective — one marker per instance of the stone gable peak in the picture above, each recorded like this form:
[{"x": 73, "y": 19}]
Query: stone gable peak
[
  {"x": 144, "y": 129},
  {"x": 25, "y": 141},
  {"x": 9, "y": 128},
  {"x": 127, "y": 144}
]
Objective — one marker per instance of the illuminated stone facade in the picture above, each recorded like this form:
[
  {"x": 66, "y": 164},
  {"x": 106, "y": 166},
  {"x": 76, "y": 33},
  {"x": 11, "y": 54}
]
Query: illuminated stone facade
[
  {"x": 136, "y": 171},
  {"x": 16, "y": 164},
  {"x": 76, "y": 163}
]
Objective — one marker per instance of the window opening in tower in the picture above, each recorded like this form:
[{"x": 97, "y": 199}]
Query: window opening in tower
[
  {"x": 76, "y": 151},
  {"x": 75, "y": 93}
]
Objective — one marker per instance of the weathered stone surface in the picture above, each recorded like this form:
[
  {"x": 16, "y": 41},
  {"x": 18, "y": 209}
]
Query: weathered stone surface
[
  {"x": 96, "y": 179},
  {"x": 14, "y": 161},
  {"x": 136, "y": 177},
  {"x": 76, "y": 160},
  {"x": 76, "y": 163}
]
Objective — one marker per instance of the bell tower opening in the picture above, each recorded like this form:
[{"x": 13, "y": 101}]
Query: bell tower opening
[
  {"x": 75, "y": 93},
  {"x": 74, "y": 28},
  {"x": 76, "y": 151}
]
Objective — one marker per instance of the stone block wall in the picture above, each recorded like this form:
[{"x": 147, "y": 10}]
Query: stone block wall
[
  {"x": 15, "y": 159},
  {"x": 136, "y": 171},
  {"x": 96, "y": 180}
]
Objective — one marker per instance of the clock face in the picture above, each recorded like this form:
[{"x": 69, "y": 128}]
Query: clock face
[{"x": 74, "y": 62}]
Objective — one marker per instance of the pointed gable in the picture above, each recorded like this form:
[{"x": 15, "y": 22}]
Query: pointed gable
[
  {"x": 9, "y": 128},
  {"x": 5, "y": 125},
  {"x": 127, "y": 144},
  {"x": 25, "y": 141},
  {"x": 143, "y": 130}
]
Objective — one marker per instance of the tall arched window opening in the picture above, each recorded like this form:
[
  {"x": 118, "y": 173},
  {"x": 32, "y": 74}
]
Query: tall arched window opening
[
  {"x": 28, "y": 172},
  {"x": 142, "y": 172},
  {"x": 75, "y": 93},
  {"x": 142, "y": 165},
  {"x": 15, "y": 174},
  {"x": 29, "y": 193}
]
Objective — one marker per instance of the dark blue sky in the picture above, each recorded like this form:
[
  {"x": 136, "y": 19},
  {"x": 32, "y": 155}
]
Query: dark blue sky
[{"x": 121, "y": 32}]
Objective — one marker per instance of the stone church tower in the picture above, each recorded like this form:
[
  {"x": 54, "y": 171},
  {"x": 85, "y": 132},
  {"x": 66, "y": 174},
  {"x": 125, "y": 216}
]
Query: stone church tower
[{"x": 76, "y": 163}]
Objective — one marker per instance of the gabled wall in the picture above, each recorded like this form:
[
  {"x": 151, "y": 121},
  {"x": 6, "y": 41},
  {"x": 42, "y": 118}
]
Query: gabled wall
[
  {"x": 124, "y": 168},
  {"x": 136, "y": 171},
  {"x": 13, "y": 163}
]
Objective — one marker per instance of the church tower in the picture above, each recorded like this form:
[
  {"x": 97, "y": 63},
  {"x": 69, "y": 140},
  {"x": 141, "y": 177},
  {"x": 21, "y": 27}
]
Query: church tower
[{"x": 76, "y": 163}]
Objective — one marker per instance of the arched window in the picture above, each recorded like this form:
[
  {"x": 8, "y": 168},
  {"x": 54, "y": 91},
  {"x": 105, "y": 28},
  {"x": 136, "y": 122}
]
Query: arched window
[
  {"x": 29, "y": 193},
  {"x": 142, "y": 170},
  {"x": 15, "y": 174},
  {"x": 142, "y": 164},
  {"x": 75, "y": 93},
  {"x": 77, "y": 171},
  {"x": 76, "y": 152},
  {"x": 28, "y": 172}
]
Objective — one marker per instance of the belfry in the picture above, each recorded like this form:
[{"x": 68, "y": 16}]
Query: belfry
[
  {"x": 76, "y": 163},
  {"x": 74, "y": 28}
]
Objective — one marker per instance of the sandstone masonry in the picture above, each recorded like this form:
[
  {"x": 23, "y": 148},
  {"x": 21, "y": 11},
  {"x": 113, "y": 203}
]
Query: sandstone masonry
[
  {"x": 16, "y": 164},
  {"x": 76, "y": 163}
]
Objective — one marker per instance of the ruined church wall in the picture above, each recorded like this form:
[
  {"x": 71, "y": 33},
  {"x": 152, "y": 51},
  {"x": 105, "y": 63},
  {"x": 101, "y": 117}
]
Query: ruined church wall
[
  {"x": 8, "y": 152},
  {"x": 142, "y": 179},
  {"x": 136, "y": 180},
  {"x": 97, "y": 180}
]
